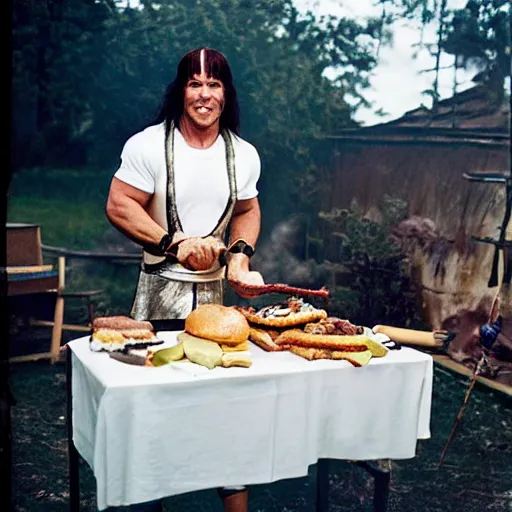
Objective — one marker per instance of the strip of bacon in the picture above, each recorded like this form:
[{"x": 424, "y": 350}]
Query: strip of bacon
[{"x": 249, "y": 291}]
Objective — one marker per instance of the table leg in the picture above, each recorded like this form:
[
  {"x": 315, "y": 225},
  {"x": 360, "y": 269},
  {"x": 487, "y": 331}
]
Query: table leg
[
  {"x": 322, "y": 486},
  {"x": 73, "y": 457},
  {"x": 381, "y": 472}
]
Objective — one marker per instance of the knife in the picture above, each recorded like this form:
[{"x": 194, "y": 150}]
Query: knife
[{"x": 133, "y": 359}]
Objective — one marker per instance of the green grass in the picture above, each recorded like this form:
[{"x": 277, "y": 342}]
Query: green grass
[
  {"x": 68, "y": 204},
  {"x": 70, "y": 224}
]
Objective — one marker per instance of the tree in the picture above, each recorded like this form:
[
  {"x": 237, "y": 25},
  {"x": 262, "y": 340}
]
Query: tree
[
  {"x": 477, "y": 36},
  {"x": 56, "y": 49}
]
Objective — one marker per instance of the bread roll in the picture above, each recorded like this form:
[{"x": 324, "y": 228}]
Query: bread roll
[{"x": 218, "y": 323}]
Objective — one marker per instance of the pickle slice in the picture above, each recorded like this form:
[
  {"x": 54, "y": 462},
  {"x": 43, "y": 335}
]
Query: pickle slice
[{"x": 167, "y": 355}]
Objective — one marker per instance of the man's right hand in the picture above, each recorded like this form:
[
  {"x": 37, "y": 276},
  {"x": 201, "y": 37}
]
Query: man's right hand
[{"x": 198, "y": 253}]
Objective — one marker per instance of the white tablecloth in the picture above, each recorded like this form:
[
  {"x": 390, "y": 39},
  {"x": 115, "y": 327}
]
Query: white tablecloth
[{"x": 154, "y": 432}]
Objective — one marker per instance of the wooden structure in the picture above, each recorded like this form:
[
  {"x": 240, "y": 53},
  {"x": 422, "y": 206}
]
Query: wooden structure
[
  {"x": 445, "y": 362},
  {"x": 28, "y": 276},
  {"x": 420, "y": 160}
]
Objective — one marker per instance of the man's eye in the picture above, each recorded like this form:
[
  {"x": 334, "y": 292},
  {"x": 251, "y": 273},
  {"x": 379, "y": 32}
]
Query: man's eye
[
  {"x": 193, "y": 84},
  {"x": 215, "y": 84}
]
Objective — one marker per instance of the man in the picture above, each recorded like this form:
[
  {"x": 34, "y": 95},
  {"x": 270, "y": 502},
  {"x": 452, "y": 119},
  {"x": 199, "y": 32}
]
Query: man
[{"x": 181, "y": 183}]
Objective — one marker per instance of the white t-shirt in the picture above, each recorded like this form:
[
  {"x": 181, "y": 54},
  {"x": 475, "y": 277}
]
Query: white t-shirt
[{"x": 201, "y": 178}]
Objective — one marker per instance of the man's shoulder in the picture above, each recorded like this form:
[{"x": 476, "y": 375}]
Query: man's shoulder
[
  {"x": 243, "y": 146},
  {"x": 150, "y": 135}
]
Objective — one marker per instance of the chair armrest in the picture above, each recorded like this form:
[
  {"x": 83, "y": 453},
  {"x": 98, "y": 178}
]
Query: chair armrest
[{"x": 81, "y": 295}]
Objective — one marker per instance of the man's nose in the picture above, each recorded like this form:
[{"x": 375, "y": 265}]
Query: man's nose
[{"x": 204, "y": 91}]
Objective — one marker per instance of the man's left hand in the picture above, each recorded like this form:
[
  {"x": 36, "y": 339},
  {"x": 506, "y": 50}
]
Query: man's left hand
[{"x": 239, "y": 274}]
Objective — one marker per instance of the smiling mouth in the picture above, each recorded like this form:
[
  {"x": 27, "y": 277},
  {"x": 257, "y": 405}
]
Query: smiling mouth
[{"x": 203, "y": 110}]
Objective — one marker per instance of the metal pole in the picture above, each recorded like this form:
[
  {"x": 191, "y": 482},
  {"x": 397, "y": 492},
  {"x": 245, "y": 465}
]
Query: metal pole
[{"x": 322, "y": 486}]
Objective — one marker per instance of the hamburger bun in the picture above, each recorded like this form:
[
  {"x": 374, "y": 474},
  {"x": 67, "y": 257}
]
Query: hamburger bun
[{"x": 218, "y": 323}]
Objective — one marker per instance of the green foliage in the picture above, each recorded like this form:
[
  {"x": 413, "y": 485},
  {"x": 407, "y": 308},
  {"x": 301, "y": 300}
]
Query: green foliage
[
  {"x": 373, "y": 283},
  {"x": 480, "y": 35},
  {"x": 67, "y": 184},
  {"x": 57, "y": 51}
]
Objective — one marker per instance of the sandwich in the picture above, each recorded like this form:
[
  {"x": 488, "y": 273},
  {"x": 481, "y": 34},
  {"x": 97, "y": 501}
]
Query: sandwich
[
  {"x": 120, "y": 333},
  {"x": 216, "y": 335}
]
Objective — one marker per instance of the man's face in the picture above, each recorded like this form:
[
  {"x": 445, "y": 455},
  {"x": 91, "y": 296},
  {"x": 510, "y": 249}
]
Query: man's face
[{"x": 204, "y": 101}]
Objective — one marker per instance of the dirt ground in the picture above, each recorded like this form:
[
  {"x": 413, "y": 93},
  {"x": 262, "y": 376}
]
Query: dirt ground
[{"x": 476, "y": 476}]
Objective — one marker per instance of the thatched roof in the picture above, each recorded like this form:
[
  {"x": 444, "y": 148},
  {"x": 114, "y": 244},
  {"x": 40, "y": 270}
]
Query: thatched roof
[
  {"x": 475, "y": 109},
  {"x": 474, "y": 116}
]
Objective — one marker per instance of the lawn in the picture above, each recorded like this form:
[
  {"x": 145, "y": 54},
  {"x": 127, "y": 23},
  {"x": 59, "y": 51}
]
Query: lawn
[
  {"x": 68, "y": 204},
  {"x": 81, "y": 224},
  {"x": 476, "y": 476}
]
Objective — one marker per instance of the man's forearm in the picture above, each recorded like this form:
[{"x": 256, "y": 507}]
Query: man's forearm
[{"x": 246, "y": 225}]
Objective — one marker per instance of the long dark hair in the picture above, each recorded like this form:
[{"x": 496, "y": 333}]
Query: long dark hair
[{"x": 218, "y": 68}]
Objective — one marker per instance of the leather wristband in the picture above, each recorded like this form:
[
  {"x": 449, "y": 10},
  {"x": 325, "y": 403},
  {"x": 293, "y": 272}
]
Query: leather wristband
[
  {"x": 165, "y": 243},
  {"x": 162, "y": 248},
  {"x": 241, "y": 246}
]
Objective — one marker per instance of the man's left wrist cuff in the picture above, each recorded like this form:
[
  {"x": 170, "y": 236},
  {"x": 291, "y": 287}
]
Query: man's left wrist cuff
[{"x": 240, "y": 246}]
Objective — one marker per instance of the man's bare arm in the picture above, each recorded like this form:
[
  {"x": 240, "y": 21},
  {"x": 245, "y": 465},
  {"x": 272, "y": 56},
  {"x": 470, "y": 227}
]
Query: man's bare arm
[
  {"x": 246, "y": 221},
  {"x": 126, "y": 210},
  {"x": 245, "y": 224}
]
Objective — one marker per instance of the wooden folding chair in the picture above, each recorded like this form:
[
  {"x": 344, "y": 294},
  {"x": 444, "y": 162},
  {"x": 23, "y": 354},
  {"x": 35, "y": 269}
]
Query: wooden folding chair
[{"x": 27, "y": 275}]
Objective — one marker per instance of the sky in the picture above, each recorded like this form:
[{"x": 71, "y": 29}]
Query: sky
[{"x": 397, "y": 81}]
